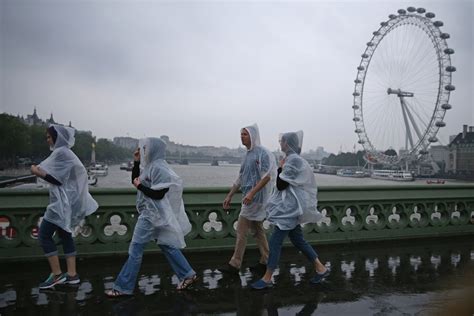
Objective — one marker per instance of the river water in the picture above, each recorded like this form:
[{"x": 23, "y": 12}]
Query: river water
[{"x": 205, "y": 175}]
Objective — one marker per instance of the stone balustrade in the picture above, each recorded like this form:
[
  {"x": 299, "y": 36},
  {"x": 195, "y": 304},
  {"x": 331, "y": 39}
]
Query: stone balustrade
[{"x": 351, "y": 214}]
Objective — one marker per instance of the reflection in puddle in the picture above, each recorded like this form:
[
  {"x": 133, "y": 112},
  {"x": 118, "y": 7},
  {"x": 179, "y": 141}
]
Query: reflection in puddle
[
  {"x": 149, "y": 285},
  {"x": 8, "y": 297}
]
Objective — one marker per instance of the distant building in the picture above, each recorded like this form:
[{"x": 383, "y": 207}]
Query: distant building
[
  {"x": 317, "y": 154},
  {"x": 440, "y": 155},
  {"x": 402, "y": 152},
  {"x": 33, "y": 119},
  {"x": 51, "y": 120},
  {"x": 126, "y": 142},
  {"x": 461, "y": 154}
]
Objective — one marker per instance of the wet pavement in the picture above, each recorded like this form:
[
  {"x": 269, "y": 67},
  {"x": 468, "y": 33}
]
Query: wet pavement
[{"x": 397, "y": 278}]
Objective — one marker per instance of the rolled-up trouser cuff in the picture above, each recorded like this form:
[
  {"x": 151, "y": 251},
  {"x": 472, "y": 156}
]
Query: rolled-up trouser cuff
[
  {"x": 121, "y": 290},
  {"x": 72, "y": 254},
  {"x": 189, "y": 275},
  {"x": 50, "y": 254}
]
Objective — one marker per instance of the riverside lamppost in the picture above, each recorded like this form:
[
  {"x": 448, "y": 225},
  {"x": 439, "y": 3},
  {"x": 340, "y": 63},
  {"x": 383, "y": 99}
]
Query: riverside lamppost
[{"x": 93, "y": 154}]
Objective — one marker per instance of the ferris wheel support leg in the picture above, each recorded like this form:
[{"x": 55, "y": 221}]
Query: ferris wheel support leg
[
  {"x": 405, "y": 119},
  {"x": 410, "y": 116}
]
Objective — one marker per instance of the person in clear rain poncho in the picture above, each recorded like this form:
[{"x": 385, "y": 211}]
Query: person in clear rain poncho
[
  {"x": 162, "y": 218},
  {"x": 69, "y": 203},
  {"x": 256, "y": 178},
  {"x": 293, "y": 203}
]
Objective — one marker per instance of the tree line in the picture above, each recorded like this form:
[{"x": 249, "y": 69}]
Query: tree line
[
  {"x": 19, "y": 140},
  {"x": 345, "y": 159},
  {"x": 351, "y": 159}
]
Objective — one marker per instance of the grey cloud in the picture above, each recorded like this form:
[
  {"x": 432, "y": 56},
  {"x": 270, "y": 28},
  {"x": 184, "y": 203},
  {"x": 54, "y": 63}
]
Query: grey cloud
[{"x": 184, "y": 67}]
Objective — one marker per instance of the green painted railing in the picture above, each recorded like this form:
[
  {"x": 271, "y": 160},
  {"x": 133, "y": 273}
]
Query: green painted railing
[{"x": 352, "y": 214}]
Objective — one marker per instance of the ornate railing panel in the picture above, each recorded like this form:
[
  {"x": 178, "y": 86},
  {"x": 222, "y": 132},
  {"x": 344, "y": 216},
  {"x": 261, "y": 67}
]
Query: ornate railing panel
[{"x": 351, "y": 214}]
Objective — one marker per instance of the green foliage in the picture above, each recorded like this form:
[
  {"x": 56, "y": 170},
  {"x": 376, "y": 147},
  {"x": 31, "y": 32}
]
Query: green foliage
[
  {"x": 390, "y": 152},
  {"x": 107, "y": 151},
  {"x": 83, "y": 145},
  {"x": 38, "y": 148},
  {"x": 14, "y": 138},
  {"x": 345, "y": 159},
  {"x": 17, "y": 139}
]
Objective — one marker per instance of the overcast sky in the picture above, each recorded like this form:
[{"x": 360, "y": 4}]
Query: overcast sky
[{"x": 198, "y": 71}]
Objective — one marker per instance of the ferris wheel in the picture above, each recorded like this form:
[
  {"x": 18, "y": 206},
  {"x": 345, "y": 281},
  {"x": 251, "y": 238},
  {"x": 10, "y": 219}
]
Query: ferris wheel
[{"x": 402, "y": 87}]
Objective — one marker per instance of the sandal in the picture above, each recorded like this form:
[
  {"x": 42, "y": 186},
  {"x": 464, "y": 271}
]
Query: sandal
[
  {"x": 187, "y": 283},
  {"x": 113, "y": 293}
]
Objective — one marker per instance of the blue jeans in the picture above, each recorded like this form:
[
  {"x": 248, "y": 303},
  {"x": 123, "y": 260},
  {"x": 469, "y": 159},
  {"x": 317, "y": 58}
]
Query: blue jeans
[
  {"x": 296, "y": 238},
  {"x": 46, "y": 240},
  {"x": 143, "y": 233}
]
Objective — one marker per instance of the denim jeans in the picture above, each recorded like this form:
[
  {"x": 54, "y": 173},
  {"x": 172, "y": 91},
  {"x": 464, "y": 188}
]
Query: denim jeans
[
  {"x": 144, "y": 231},
  {"x": 46, "y": 240},
  {"x": 296, "y": 238}
]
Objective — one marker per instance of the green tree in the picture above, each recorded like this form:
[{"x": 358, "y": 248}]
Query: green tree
[
  {"x": 83, "y": 146},
  {"x": 390, "y": 152},
  {"x": 38, "y": 148},
  {"x": 14, "y": 139},
  {"x": 345, "y": 159},
  {"x": 17, "y": 139},
  {"x": 108, "y": 152}
]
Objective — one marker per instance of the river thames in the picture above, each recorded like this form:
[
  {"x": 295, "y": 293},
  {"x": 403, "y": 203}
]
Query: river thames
[
  {"x": 224, "y": 175},
  {"x": 205, "y": 175}
]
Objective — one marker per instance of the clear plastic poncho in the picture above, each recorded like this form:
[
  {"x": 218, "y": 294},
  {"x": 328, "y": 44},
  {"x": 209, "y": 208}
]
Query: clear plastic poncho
[
  {"x": 297, "y": 204},
  {"x": 167, "y": 215},
  {"x": 257, "y": 164},
  {"x": 70, "y": 202}
]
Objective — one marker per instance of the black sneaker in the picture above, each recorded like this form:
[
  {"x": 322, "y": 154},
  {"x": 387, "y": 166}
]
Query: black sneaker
[
  {"x": 319, "y": 277},
  {"x": 227, "y": 268},
  {"x": 259, "y": 268},
  {"x": 72, "y": 279}
]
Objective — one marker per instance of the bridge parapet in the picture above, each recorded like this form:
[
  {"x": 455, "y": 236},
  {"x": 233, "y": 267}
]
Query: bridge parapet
[{"x": 351, "y": 214}]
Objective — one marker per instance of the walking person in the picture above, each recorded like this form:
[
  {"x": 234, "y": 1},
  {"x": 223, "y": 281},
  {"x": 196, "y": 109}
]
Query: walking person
[
  {"x": 69, "y": 203},
  {"x": 293, "y": 203},
  {"x": 162, "y": 218},
  {"x": 256, "y": 177}
]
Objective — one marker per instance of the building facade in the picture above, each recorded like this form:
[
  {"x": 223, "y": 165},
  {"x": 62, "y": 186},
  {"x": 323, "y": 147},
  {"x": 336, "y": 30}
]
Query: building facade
[
  {"x": 126, "y": 142},
  {"x": 440, "y": 155},
  {"x": 461, "y": 154}
]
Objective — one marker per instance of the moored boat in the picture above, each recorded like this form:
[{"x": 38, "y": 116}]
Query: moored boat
[
  {"x": 393, "y": 175},
  {"x": 98, "y": 170},
  {"x": 92, "y": 180},
  {"x": 437, "y": 181},
  {"x": 350, "y": 173}
]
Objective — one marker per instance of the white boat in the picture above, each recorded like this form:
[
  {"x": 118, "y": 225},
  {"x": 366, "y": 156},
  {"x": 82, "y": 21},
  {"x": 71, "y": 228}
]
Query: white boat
[
  {"x": 394, "y": 175},
  {"x": 127, "y": 166},
  {"x": 350, "y": 173},
  {"x": 98, "y": 170},
  {"x": 92, "y": 179}
]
